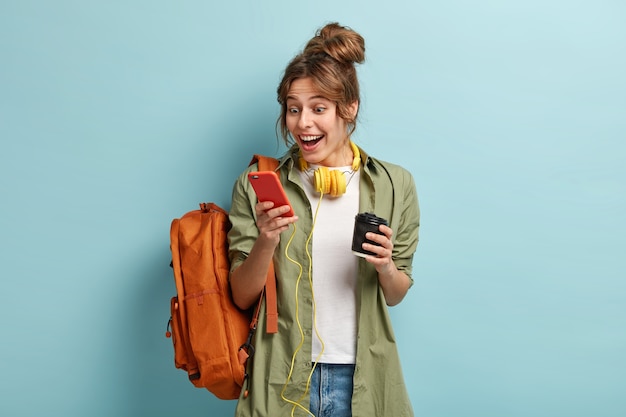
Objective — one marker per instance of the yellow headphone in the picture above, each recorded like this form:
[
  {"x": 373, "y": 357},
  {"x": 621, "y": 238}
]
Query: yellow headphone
[{"x": 331, "y": 181}]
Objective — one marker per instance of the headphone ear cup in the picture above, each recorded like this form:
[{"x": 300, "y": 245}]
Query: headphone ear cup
[
  {"x": 333, "y": 183},
  {"x": 338, "y": 183},
  {"x": 328, "y": 181},
  {"x": 321, "y": 180}
]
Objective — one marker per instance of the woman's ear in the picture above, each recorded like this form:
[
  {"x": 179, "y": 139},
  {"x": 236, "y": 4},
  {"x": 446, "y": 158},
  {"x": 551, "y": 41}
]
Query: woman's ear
[{"x": 353, "y": 108}]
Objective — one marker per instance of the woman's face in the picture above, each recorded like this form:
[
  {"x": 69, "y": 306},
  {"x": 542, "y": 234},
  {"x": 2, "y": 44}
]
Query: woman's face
[{"x": 312, "y": 120}]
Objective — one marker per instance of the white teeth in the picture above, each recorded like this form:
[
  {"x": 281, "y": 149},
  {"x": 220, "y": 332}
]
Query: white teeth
[{"x": 310, "y": 138}]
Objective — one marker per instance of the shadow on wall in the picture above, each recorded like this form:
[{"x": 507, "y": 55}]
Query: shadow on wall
[{"x": 154, "y": 386}]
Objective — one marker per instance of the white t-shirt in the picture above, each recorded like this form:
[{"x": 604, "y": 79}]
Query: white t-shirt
[{"x": 334, "y": 270}]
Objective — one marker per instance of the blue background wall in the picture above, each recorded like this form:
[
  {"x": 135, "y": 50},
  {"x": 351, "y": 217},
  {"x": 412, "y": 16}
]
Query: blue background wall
[{"x": 116, "y": 117}]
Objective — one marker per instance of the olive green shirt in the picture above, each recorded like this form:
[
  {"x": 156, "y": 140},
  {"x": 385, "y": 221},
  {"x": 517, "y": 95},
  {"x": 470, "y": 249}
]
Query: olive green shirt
[{"x": 386, "y": 190}]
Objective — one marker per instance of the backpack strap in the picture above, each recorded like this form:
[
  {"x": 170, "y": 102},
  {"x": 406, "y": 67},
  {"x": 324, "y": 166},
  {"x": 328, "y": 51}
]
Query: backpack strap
[
  {"x": 267, "y": 163},
  {"x": 270, "y": 300}
]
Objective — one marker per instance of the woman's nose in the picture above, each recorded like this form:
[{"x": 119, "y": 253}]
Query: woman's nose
[{"x": 304, "y": 121}]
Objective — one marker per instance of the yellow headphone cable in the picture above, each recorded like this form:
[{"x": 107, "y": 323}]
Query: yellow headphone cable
[{"x": 296, "y": 404}]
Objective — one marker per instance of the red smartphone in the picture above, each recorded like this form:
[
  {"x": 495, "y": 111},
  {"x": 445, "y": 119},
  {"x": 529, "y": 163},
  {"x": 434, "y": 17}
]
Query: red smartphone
[{"x": 267, "y": 187}]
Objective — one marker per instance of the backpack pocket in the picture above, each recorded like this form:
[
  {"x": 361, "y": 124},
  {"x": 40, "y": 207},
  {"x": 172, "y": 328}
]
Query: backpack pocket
[{"x": 183, "y": 356}]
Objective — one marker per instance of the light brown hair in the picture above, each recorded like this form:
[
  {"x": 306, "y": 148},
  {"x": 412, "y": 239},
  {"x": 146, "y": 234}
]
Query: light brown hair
[{"x": 329, "y": 59}]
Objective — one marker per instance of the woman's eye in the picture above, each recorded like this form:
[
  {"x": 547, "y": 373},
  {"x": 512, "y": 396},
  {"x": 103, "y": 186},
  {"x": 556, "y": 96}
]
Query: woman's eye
[
  {"x": 320, "y": 109},
  {"x": 293, "y": 110}
]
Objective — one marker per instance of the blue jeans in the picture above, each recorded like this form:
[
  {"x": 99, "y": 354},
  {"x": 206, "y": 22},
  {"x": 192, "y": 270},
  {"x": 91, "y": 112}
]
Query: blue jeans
[{"x": 331, "y": 390}]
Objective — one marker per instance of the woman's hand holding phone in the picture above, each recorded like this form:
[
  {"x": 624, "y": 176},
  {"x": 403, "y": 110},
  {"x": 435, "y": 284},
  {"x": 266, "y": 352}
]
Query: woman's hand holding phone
[{"x": 274, "y": 212}]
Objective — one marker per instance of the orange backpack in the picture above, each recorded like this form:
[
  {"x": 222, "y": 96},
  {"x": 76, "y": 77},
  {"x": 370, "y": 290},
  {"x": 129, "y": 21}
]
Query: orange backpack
[{"x": 212, "y": 337}]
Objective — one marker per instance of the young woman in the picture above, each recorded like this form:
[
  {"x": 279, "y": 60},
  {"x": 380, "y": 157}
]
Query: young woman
[{"x": 335, "y": 352}]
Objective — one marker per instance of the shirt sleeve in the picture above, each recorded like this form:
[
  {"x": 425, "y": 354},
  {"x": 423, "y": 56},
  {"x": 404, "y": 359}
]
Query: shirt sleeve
[
  {"x": 243, "y": 232},
  {"x": 407, "y": 233}
]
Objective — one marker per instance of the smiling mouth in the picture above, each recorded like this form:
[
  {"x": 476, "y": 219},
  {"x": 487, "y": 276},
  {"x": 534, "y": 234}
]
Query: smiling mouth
[{"x": 311, "y": 140}]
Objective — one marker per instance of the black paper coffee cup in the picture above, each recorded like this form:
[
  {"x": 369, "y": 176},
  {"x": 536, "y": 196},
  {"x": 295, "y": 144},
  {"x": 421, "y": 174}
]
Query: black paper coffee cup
[{"x": 363, "y": 223}]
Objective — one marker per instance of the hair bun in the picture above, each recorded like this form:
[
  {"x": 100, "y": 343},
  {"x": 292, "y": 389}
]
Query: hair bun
[{"x": 339, "y": 42}]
